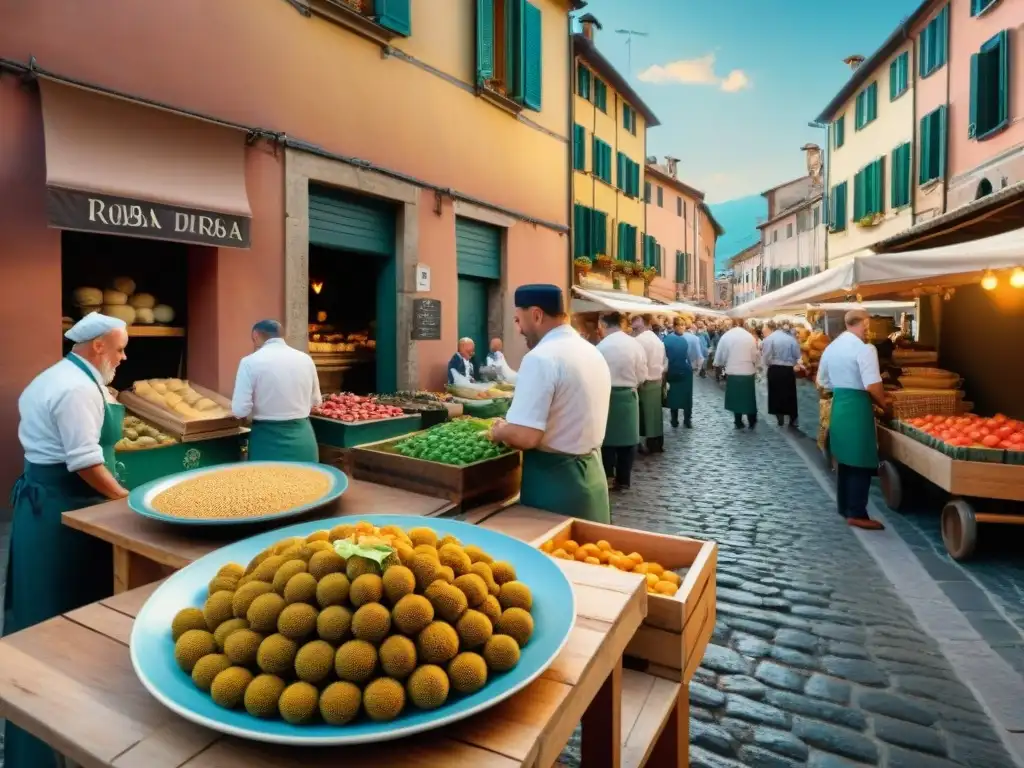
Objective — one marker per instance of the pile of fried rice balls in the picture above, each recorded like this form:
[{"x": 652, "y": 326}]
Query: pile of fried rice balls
[{"x": 307, "y": 635}]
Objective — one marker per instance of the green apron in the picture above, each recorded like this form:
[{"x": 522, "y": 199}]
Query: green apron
[
  {"x": 852, "y": 439},
  {"x": 566, "y": 485},
  {"x": 680, "y": 391},
  {"x": 77, "y": 569},
  {"x": 650, "y": 409},
  {"x": 623, "y": 428},
  {"x": 291, "y": 440},
  {"x": 739, "y": 395}
]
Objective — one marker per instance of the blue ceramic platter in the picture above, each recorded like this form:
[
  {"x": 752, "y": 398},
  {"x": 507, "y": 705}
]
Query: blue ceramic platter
[
  {"x": 152, "y": 650},
  {"x": 140, "y": 499}
]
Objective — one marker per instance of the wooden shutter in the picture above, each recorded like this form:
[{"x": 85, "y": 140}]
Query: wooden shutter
[
  {"x": 393, "y": 15},
  {"x": 1003, "y": 86},
  {"x": 582, "y": 81},
  {"x": 972, "y": 125},
  {"x": 599, "y": 237},
  {"x": 484, "y": 41},
  {"x": 925, "y": 151},
  {"x": 515, "y": 49},
  {"x": 941, "y": 120},
  {"x": 533, "y": 51}
]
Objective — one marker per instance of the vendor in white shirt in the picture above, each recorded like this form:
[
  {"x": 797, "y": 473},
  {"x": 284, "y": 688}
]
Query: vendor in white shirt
[
  {"x": 69, "y": 423},
  {"x": 627, "y": 363},
  {"x": 559, "y": 411},
  {"x": 277, "y": 387},
  {"x": 737, "y": 353},
  {"x": 652, "y": 427}
]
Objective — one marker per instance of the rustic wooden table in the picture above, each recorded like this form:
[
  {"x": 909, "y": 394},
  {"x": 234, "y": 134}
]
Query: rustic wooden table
[
  {"x": 70, "y": 682},
  {"x": 146, "y": 550}
]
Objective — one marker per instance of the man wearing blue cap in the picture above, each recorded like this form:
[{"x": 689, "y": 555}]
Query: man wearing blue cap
[{"x": 559, "y": 412}]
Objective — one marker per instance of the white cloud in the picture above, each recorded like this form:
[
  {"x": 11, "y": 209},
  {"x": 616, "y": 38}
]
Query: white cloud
[{"x": 700, "y": 71}]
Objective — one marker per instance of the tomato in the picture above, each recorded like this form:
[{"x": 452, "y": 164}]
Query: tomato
[
  {"x": 990, "y": 441},
  {"x": 1003, "y": 432},
  {"x": 999, "y": 418},
  {"x": 1016, "y": 438}
]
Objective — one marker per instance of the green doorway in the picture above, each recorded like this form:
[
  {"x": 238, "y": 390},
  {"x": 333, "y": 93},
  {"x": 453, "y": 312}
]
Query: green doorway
[{"x": 478, "y": 249}]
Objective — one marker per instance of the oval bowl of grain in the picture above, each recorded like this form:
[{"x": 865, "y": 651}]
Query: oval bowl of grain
[{"x": 234, "y": 494}]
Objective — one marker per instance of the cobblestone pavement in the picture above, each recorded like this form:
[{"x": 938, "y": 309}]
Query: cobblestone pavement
[{"x": 815, "y": 660}]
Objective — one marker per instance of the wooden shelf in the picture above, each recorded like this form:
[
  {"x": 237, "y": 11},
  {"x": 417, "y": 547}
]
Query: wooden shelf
[
  {"x": 647, "y": 705},
  {"x": 146, "y": 331}
]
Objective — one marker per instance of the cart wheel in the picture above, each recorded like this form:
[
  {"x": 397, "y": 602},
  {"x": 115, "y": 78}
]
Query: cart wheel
[
  {"x": 959, "y": 529},
  {"x": 891, "y": 480}
]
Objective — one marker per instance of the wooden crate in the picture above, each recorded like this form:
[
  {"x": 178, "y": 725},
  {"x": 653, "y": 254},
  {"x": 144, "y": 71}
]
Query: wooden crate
[
  {"x": 186, "y": 430},
  {"x": 380, "y": 463},
  {"x": 341, "y": 434},
  {"x": 672, "y": 639}
]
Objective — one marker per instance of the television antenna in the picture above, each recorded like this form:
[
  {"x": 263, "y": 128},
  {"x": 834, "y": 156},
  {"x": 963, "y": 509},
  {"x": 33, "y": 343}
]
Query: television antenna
[{"x": 630, "y": 34}]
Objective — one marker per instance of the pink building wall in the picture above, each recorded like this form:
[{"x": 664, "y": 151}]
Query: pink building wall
[{"x": 929, "y": 94}]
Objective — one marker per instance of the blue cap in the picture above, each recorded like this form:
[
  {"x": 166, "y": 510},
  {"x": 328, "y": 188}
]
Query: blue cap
[{"x": 541, "y": 295}]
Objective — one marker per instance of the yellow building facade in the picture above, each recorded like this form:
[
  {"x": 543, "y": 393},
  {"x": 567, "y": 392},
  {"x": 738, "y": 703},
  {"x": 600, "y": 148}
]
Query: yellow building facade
[{"x": 610, "y": 124}]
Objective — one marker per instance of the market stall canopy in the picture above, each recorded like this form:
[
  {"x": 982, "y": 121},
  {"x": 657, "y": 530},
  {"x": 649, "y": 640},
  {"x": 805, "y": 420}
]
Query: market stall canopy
[
  {"x": 880, "y": 307},
  {"x": 896, "y": 275},
  {"x": 605, "y": 301},
  {"x": 117, "y": 167},
  {"x": 682, "y": 308}
]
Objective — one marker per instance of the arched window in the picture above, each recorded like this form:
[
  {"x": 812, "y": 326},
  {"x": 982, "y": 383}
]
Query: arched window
[{"x": 984, "y": 188}]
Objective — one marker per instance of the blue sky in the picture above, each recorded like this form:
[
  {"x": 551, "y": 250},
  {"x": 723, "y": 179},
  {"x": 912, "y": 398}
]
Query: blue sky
[{"x": 756, "y": 72}]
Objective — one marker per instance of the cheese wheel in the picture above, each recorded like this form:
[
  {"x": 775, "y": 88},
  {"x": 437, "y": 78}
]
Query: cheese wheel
[
  {"x": 87, "y": 297},
  {"x": 144, "y": 316},
  {"x": 124, "y": 284},
  {"x": 110, "y": 296},
  {"x": 159, "y": 385},
  {"x": 163, "y": 314},
  {"x": 142, "y": 300},
  {"x": 120, "y": 311}
]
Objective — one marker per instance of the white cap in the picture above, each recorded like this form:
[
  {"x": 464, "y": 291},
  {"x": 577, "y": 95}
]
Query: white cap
[{"x": 92, "y": 326}]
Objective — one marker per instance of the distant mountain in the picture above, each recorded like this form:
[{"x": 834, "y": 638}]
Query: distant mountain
[{"x": 739, "y": 219}]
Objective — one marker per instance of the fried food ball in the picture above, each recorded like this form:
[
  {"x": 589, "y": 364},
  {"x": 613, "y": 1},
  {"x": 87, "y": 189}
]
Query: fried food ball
[
  {"x": 371, "y": 623},
  {"x": 325, "y": 562},
  {"x": 437, "y": 643},
  {"x": 428, "y": 687},
  {"x": 342, "y": 531},
  {"x": 262, "y": 695},
  {"x": 323, "y": 535},
  {"x": 355, "y": 661},
  {"x": 285, "y": 544},
  {"x": 357, "y": 566},
  {"x": 397, "y": 657},
  {"x": 467, "y": 673},
  {"x": 298, "y": 703},
  {"x": 276, "y": 655},
  {"x": 186, "y": 619},
  {"x": 307, "y": 551},
  {"x": 285, "y": 572},
  {"x": 503, "y": 572},
  {"x": 423, "y": 536},
  {"x": 473, "y": 587},
  {"x": 455, "y": 558},
  {"x": 483, "y": 570},
  {"x": 242, "y": 646},
  {"x": 192, "y": 646},
  {"x": 225, "y": 629},
  {"x": 301, "y": 588},
  {"x": 448, "y": 601},
  {"x": 667, "y": 588},
  {"x": 426, "y": 549},
  {"x": 297, "y": 620},
  {"x": 448, "y": 539},
  {"x": 245, "y": 594},
  {"x": 222, "y": 583},
  {"x": 398, "y": 582},
  {"x": 412, "y": 614},
  {"x": 405, "y": 553},
  {"x": 671, "y": 577},
  {"x": 257, "y": 561},
  {"x": 384, "y": 699},
  {"x": 515, "y": 594},
  {"x": 208, "y": 668},
  {"x": 232, "y": 569},
  {"x": 516, "y": 623},
  {"x": 263, "y": 612},
  {"x": 474, "y": 629},
  {"x": 477, "y": 555},
  {"x": 217, "y": 609},
  {"x": 228, "y": 688},
  {"x": 501, "y": 653},
  {"x": 425, "y": 568},
  {"x": 368, "y": 588},
  {"x": 333, "y": 589},
  {"x": 445, "y": 574},
  {"x": 334, "y": 624},
  {"x": 490, "y": 608},
  {"x": 340, "y": 702},
  {"x": 266, "y": 570},
  {"x": 314, "y": 662}
]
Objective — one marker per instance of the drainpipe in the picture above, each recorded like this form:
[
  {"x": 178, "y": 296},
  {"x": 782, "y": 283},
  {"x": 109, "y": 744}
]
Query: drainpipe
[
  {"x": 949, "y": 133},
  {"x": 912, "y": 67},
  {"x": 571, "y": 154},
  {"x": 825, "y": 198}
]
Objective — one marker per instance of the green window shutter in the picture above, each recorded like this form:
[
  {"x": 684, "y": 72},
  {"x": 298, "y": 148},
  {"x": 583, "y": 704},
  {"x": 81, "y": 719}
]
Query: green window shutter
[
  {"x": 894, "y": 70},
  {"x": 872, "y": 106},
  {"x": 679, "y": 267},
  {"x": 600, "y": 95},
  {"x": 484, "y": 41},
  {"x": 924, "y": 150},
  {"x": 619, "y": 175},
  {"x": 620, "y": 242},
  {"x": 515, "y": 49},
  {"x": 1003, "y": 92},
  {"x": 647, "y": 191},
  {"x": 661, "y": 197},
  {"x": 941, "y": 120},
  {"x": 533, "y": 49},
  {"x": 578, "y": 230},
  {"x": 393, "y": 15},
  {"x": 635, "y": 168},
  {"x": 595, "y": 156},
  {"x": 972, "y": 126},
  {"x": 579, "y": 148},
  {"x": 858, "y": 195},
  {"x": 858, "y": 112},
  {"x": 943, "y": 35},
  {"x": 582, "y": 77},
  {"x": 839, "y": 131},
  {"x": 599, "y": 223}
]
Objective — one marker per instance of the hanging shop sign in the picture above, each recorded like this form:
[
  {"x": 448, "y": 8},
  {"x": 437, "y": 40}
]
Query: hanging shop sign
[{"x": 110, "y": 215}]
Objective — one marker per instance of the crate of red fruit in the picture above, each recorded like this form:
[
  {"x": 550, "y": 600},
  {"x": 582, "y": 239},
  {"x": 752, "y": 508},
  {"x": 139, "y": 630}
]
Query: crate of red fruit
[
  {"x": 970, "y": 437},
  {"x": 345, "y": 421}
]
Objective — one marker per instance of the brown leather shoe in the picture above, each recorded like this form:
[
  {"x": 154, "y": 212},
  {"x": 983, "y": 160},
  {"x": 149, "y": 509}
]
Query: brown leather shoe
[{"x": 865, "y": 523}]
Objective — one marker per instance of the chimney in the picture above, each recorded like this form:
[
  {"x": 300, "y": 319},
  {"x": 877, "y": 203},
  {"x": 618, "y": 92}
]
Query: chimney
[
  {"x": 853, "y": 61},
  {"x": 812, "y": 155},
  {"x": 673, "y": 166},
  {"x": 589, "y": 23}
]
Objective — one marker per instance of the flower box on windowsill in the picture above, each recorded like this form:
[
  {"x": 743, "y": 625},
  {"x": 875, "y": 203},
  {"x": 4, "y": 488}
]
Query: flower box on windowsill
[
  {"x": 492, "y": 91},
  {"x": 353, "y": 14},
  {"x": 871, "y": 220}
]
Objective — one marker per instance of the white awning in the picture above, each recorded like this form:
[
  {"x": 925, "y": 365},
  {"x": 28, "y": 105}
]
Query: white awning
[{"x": 608, "y": 301}]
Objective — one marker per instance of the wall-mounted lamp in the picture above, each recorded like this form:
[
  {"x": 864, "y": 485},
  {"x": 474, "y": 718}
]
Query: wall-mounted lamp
[
  {"x": 989, "y": 282},
  {"x": 317, "y": 286},
  {"x": 1017, "y": 278}
]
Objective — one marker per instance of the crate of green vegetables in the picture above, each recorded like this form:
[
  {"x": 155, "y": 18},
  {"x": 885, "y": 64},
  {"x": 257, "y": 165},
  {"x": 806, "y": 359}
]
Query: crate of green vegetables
[{"x": 454, "y": 461}]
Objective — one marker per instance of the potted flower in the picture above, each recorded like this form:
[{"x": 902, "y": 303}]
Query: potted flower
[
  {"x": 581, "y": 265},
  {"x": 621, "y": 270},
  {"x": 603, "y": 262},
  {"x": 649, "y": 274},
  {"x": 871, "y": 220}
]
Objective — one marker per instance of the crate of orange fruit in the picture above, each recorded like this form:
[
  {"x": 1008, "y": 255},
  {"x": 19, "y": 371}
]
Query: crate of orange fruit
[{"x": 680, "y": 574}]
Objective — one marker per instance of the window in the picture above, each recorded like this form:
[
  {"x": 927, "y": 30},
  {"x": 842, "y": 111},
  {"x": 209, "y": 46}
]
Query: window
[
  {"x": 789, "y": 230},
  {"x": 679, "y": 206},
  {"x": 629, "y": 118},
  {"x": 775, "y": 235},
  {"x": 803, "y": 221},
  {"x": 899, "y": 177},
  {"x": 899, "y": 76},
  {"x": 867, "y": 106},
  {"x": 628, "y": 176},
  {"x": 600, "y": 95},
  {"x": 602, "y": 161},
  {"x": 837, "y": 212},
  {"x": 579, "y": 148},
  {"x": 817, "y": 216},
  {"x": 990, "y": 88},
  {"x": 682, "y": 267},
  {"x": 839, "y": 131},
  {"x": 868, "y": 197},
  {"x": 626, "y": 236},
  {"x": 647, "y": 191},
  {"x": 652, "y": 252},
  {"x": 932, "y": 44},
  {"x": 509, "y": 50},
  {"x": 978, "y": 7},
  {"x": 932, "y": 162},
  {"x": 661, "y": 197},
  {"x": 590, "y": 228},
  {"x": 583, "y": 82}
]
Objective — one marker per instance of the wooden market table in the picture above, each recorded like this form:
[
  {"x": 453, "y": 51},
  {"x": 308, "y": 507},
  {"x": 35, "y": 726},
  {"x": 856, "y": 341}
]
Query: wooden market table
[
  {"x": 70, "y": 682},
  {"x": 146, "y": 550}
]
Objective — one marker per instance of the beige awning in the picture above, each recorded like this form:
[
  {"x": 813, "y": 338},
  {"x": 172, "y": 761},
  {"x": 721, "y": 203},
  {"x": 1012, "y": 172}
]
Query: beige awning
[{"x": 118, "y": 167}]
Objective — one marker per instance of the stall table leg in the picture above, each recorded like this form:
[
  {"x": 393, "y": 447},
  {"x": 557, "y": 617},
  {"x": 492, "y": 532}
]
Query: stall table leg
[
  {"x": 132, "y": 570},
  {"x": 602, "y": 724}
]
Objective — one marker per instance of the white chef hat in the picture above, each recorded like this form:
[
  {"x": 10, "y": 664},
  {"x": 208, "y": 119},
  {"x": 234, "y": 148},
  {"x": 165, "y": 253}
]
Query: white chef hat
[{"x": 92, "y": 326}]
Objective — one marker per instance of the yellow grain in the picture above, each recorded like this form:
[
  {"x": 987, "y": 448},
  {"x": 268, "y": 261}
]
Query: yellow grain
[{"x": 242, "y": 492}]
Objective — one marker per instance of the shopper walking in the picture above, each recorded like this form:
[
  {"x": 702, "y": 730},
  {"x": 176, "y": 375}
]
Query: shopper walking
[
  {"x": 652, "y": 428},
  {"x": 627, "y": 363},
  {"x": 780, "y": 354},
  {"x": 737, "y": 354}
]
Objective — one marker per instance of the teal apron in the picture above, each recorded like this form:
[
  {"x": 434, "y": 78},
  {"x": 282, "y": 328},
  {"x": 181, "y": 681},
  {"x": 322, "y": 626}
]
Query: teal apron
[
  {"x": 291, "y": 440},
  {"x": 852, "y": 439},
  {"x": 565, "y": 485},
  {"x": 650, "y": 409},
  {"x": 680, "y": 391},
  {"x": 76, "y": 570},
  {"x": 739, "y": 395},
  {"x": 623, "y": 428}
]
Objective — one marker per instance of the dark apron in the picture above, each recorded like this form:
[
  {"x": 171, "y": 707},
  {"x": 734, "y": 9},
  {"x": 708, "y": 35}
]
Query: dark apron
[
  {"x": 652, "y": 424},
  {"x": 76, "y": 570},
  {"x": 291, "y": 440},
  {"x": 739, "y": 395},
  {"x": 680, "y": 391},
  {"x": 852, "y": 439},
  {"x": 623, "y": 428},
  {"x": 781, "y": 390},
  {"x": 575, "y": 486}
]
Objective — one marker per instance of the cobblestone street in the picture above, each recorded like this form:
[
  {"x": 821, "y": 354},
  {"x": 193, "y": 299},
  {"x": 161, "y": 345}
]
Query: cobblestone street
[{"x": 815, "y": 659}]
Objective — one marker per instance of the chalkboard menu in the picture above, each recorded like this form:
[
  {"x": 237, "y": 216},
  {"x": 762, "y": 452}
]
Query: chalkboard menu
[{"x": 426, "y": 319}]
